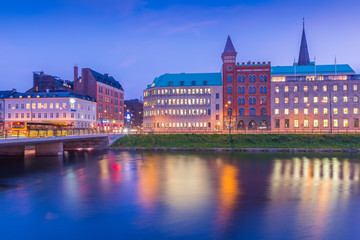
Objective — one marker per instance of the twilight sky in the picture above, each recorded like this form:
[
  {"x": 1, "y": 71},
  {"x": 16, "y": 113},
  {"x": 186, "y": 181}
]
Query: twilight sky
[{"x": 137, "y": 40}]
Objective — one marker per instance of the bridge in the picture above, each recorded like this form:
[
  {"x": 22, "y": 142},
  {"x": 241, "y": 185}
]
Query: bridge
[{"x": 56, "y": 145}]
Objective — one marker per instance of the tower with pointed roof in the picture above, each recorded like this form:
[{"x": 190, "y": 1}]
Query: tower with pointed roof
[
  {"x": 229, "y": 54},
  {"x": 304, "y": 58}
]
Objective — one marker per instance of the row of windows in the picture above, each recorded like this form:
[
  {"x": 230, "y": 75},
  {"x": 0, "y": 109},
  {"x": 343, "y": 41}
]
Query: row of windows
[
  {"x": 51, "y": 106},
  {"x": 252, "y": 89},
  {"x": 252, "y": 78},
  {"x": 316, "y": 123},
  {"x": 109, "y": 100},
  {"x": 110, "y": 116},
  {"x": 110, "y": 92},
  {"x": 252, "y": 100},
  {"x": 178, "y": 112},
  {"x": 178, "y": 125},
  {"x": 251, "y": 111},
  {"x": 316, "y": 111},
  {"x": 306, "y": 88},
  {"x": 167, "y": 91},
  {"x": 166, "y": 102},
  {"x": 345, "y": 99},
  {"x": 50, "y": 115}
]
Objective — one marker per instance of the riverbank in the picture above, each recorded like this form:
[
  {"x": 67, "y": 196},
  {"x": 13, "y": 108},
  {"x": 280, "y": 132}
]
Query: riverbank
[{"x": 241, "y": 142}]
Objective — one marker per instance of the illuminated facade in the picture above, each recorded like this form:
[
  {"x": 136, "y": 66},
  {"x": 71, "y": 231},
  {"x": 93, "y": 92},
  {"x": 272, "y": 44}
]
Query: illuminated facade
[
  {"x": 314, "y": 98},
  {"x": 108, "y": 93},
  {"x": 246, "y": 92},
  {"x": 184, "y": 103},
  {"x": 53, "y": 107}
]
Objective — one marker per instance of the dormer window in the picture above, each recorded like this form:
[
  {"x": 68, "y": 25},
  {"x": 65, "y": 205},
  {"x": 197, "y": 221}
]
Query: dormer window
[
  {"x": 205, "y": 83},
  {"x": 193, "y": 83},
  {"x": 170, "y": 83},
  {"x": 181, "y": 83}
]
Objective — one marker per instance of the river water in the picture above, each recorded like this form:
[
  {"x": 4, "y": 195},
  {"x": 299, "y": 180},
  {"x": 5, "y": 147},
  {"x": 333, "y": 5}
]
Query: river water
[{"x": 186, "y": 195}]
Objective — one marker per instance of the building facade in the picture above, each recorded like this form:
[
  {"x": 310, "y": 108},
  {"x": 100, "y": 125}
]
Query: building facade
[
  {"x": 184, "y": 103},
  {"x": 109, "y": 95},
  {"x": 76, "y": 110},
  {"x": 133, "y": 119},
  {"x": 246, "y": 92},
  {"x": 310, "y": 98},
  {"x": 43, "y": 82},
  {"x": 3, "y": 95}
]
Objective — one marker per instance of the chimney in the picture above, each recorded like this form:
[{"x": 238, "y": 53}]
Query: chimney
[
  {"x": 106, "y": 74},
  {"x": 76, "y": 73}
]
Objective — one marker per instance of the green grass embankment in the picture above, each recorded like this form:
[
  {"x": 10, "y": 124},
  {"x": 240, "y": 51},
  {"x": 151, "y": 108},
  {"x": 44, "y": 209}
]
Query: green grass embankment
[{"x": 308, "y": 141}]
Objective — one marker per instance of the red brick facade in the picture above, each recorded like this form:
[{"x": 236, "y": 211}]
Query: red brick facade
[
  {"x": 246, "y": 92},
  {"x": 108, "y": 94}
]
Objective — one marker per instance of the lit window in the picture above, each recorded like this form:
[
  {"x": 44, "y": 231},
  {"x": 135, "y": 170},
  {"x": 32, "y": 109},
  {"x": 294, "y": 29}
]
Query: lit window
[
  {"x": 306, "y": 111},
  {"x": 356, "y": 110},
  {"x": 325, "y": 111},
  {"x": 345, "y": 98},
  {"x": 306, "y": 99},
  {"x": 316, "y": 123},
  {"x": 345, "y": 87},
  {"x": 316, "y": 110},
  {"x": 306, "y": 88},
  {"x": 346, "y": 110},
  {"x": 335, "y": 111},
  {"x": 296, "y": 88},
  {"x": 296, "y": 123},
  {"x": 286, "y": 111},
  {"x": 346, "y": 122},
  {"x": 315, "y": 88},
  {"x": 277, "y": 100},
  {"x": 356, "y": 99},
  {"x": 325, "y": 88},
  {"x": 296, "y": 100},
  {"x": 306, "y": 123},
  {"x": 296, "y": 111},
  {"x": 355, "y": 87},
  {"x": 336, "y": 123},
  {"x": 335, "y": 88},
  {"x": 326, "y": 122},
  {"x": 286, "y": 100},
  {"x": 277, "y": 89},
  {"x": 325, "y": 99},
  {"x": 286, "y": 89},
  {"x": 316, "y": 99},
  {"x": 335, "y": 99},
  {"x": 277, "y": 111}
]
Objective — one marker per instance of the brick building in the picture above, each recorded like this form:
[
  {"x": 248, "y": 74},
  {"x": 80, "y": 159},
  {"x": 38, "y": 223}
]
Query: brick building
[
  {"x": 108, "y": 93},
  {"x": 44, "y": 82},
  {"x": 133, "y": 118},
  {"x": 246, "y": 92}
]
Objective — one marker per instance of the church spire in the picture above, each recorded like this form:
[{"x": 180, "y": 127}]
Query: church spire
[
  {"x": 304, "y": 58},
  {"x": 229, "y": 47}
]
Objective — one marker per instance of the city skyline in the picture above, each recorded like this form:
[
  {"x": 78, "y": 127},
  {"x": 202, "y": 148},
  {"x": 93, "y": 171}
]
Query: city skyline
[{"x": 135, "y": 41}]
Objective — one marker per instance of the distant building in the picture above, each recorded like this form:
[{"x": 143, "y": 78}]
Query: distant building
[
  {"x": 314, "y": 98},
  {"x": 246, "y": 92},
  {"x": 133, "y": 114},
  {"x": 184, "y": 102},
  {"x": 43, "y": 82},
  {"x": 108, "y": 93},
  {"x": 73, "y": 109}
]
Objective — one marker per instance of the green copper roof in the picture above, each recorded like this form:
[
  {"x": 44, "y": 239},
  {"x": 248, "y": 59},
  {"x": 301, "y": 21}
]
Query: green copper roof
[
  {"x": 186, "y": 79},
  {"x": 310, "y": 70}
]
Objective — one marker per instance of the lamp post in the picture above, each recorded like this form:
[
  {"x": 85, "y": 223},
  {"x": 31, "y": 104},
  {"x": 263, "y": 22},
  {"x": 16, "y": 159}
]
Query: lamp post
[{"x": 229, "y": 112}]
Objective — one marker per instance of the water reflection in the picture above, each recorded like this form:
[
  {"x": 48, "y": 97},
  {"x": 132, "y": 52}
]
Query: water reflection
[{"x": 181, "y": 195}]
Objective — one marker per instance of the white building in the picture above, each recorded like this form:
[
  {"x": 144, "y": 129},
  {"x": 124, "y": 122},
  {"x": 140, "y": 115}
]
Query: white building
[{"x": 73, "y": 109}]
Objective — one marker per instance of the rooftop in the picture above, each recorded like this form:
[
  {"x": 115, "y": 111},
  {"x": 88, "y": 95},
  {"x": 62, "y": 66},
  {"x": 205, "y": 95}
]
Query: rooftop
[
  {"x": 109, "y": 80},
  {"x": 51, "y": 95},
  {"x": 311, "y": 70},
  {"x": 187, "y": 79}
]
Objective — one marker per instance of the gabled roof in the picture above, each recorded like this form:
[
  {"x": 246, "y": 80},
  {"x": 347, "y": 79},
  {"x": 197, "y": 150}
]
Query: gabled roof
[
  {"x": 310, "y": 70},
  {"x": 109, "y": 80},
  {"x": 51, "y": 95},
  {"x": 229, "y": 47},
  {"x": 304, "y": 58},
  {"x": 186, "y": 79}
]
